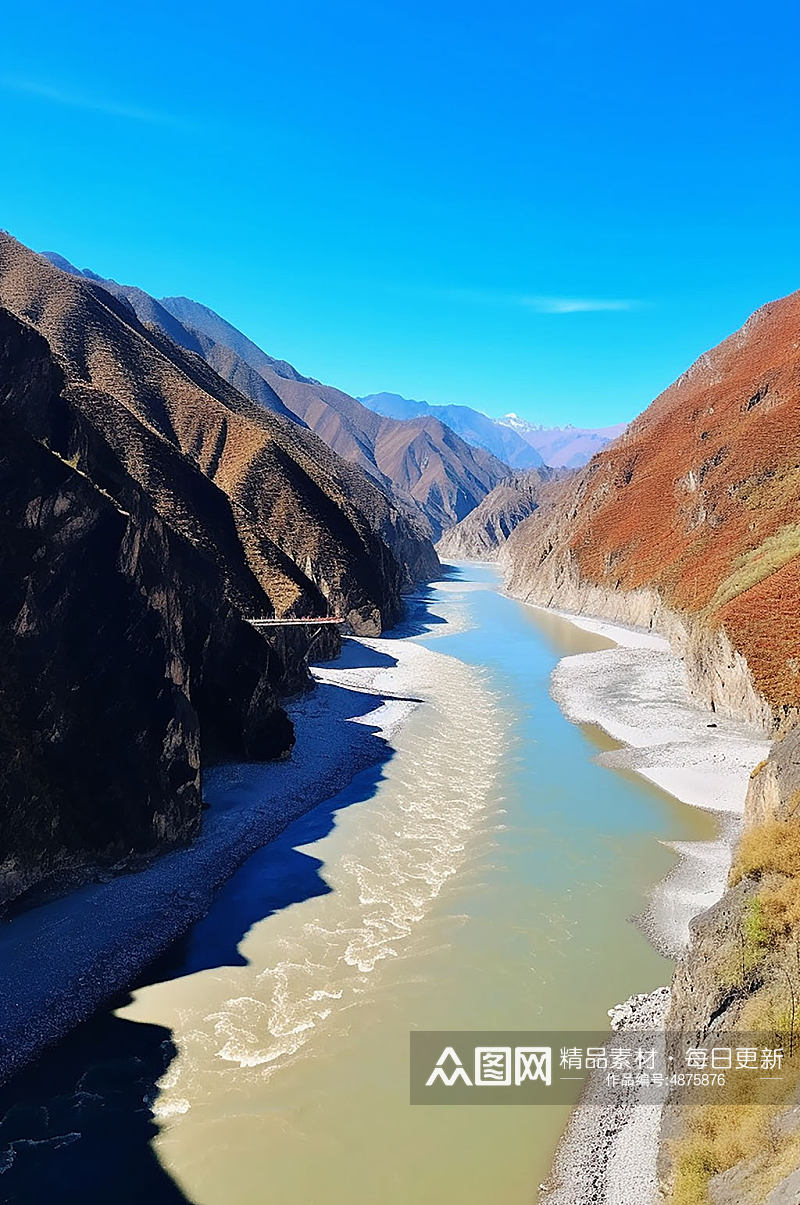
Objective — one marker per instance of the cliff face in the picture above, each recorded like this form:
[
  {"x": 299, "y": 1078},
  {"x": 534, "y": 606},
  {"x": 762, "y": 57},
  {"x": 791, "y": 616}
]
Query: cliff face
[
  {"x": 689, "y": 524},
  {"x": 741, "y": 975},
  {"x": 123, "y": 651},
  {"x": 485, "y": 529},
  {"x": 689, "y": 521}
]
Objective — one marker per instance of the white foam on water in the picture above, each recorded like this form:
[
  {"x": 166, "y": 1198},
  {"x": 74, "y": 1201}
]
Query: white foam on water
[{"x": 434, "y": 809}]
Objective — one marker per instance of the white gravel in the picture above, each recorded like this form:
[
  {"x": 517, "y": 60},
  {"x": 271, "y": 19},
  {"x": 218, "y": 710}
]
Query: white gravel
[{"x": 637, "y": 693}]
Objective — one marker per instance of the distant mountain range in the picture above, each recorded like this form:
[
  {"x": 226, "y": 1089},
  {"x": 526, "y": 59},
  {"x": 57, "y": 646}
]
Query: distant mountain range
[
  {"x": 473, "y": 426},
  {"x": 423, "y": 465},
  {"x": 564, "y": 447},
  {"x": 521, "y": 444}
]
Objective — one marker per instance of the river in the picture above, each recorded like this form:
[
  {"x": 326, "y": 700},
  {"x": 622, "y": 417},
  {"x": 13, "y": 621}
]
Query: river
[{"x": 485, "y": 879}]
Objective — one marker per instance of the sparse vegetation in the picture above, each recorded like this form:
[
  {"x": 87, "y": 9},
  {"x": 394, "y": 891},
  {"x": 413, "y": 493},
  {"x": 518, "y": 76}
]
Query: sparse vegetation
[
  {"x": 781, "y": 907},
  {"x": 741, "y": 1130},
  {"x": 758, "y": 563},
  {"x": 770, "y": 847}
]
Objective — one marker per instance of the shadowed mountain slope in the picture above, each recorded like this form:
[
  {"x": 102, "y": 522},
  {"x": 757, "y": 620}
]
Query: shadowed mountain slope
[{"x": 123, "y": 650}]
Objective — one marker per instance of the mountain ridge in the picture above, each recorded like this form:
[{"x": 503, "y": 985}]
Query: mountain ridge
[
  {"x": 430, "y": 473},
  {"x": 520, "y": 444},
  {"x": 481, "y": 534}
]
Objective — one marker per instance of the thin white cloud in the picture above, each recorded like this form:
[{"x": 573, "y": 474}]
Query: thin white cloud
[
  {"x": 71, "y": 100},
  {"x": 578, "y": 305},
  {"x": 546, "y": 304}
]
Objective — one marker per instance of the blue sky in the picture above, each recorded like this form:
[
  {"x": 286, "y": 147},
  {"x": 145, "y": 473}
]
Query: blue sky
[{"x": 529, "y": 207}]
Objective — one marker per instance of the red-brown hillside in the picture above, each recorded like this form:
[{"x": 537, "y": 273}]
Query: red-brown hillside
[{"x": 701, "y": 500}]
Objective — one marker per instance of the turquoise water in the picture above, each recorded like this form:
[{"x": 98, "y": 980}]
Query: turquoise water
[{"x": 487, "y": 881}]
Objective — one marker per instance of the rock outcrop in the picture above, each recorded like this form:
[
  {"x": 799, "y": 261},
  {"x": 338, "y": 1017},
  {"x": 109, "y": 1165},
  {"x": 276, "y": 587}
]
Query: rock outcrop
[{"x": 741, "y": 976}]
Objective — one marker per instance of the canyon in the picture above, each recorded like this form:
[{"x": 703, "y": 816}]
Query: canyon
[{"x": 165, "y": 481}]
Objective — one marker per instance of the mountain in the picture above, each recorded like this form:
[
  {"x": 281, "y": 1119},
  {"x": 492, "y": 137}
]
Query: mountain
[
  {"x": 199, "y": 317},
  {"x": 224, "y": 360},
  {"x": 521, "y": 444},
  {"x": 476, "y": 428},
  {"x": 480, "y": 536},
  {"x": 694, "y": 514},
  {"x": 690, "y": 523},
  {"x": 149, "y": 510},
  {"x": 432, "y": 475},
  {"x": 563, "y": 447},
  {"x": 422, "y": 462}
]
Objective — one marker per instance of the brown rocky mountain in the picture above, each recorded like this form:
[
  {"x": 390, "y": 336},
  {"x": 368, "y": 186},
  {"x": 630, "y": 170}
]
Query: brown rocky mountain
[
  {"x": 149, "y": 508},
  {"x": 420, "y": 460},
  {"x": 429, "y": 471},
  {"x": 482, "y": 533}
]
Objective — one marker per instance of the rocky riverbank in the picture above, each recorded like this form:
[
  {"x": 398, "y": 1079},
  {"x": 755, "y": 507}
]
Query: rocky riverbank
[{"x": 611, "y": 1152}]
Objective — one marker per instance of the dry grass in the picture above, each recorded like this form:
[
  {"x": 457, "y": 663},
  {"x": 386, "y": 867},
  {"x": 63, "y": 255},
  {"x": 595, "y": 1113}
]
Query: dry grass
[
  {"x": 715, "y": 1138},
  {"x": 765, "y": 848},
  {"x": 741, "y": 1129},
  {"x": 781, "y": 907}
]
